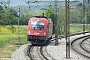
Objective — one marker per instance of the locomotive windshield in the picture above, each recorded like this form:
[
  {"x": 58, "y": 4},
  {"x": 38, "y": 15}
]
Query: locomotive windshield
[{"x": 37, "y": 25}]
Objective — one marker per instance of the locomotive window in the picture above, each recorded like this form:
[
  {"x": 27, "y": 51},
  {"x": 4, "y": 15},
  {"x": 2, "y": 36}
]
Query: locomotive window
[{"x": 37, "y": 25}]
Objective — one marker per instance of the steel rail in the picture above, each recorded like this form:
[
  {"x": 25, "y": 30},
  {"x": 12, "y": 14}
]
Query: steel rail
[
  {"x": 85, "y": 37},
  {"x": 38, "y": 50},
  {"x": 28, "y": 52},
  {"x": 43, "y": 51},
  {"x": 39, "y": 53},
  {"x": 49, "y": 54},
  {"x": 70, "y": 35},
  {"x": 83, "y": 47}
]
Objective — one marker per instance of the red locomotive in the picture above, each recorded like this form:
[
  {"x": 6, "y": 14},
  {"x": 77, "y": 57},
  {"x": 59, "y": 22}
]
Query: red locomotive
[{"x": 39, "y": 30}]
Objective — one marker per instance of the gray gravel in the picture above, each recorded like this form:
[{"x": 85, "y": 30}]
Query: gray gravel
[
  {"x": 57, "y": 52},
  {"x": 20, "y": 54},
  {"x": 86, "y": 44}
]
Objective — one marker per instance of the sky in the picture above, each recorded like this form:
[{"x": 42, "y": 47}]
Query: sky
[
  {"x": 15, "y": 2},
  {"x": 22, "y": 2}
]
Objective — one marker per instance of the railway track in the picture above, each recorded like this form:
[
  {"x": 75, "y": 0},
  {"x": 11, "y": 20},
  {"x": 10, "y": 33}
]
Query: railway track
[
  {"x": 73, "y": 34},
  {"x": 77, "y": 46},
  {"x": 34, "y": 53},
  {"x": 85, "y": 44},
  {"x": 38, "y": 53},
  {"x": 44, "y": 53}
]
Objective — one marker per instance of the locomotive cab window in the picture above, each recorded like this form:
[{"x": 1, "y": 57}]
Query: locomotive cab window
[{"x": 37, "y": 25}]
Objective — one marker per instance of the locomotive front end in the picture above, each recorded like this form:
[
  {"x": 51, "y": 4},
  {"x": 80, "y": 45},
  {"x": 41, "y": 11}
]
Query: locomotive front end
[{"x": 37, "y": 30}]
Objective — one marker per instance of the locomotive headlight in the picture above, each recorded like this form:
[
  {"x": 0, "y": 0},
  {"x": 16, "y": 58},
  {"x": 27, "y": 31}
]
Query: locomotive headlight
[
  {"x": 37, "y": 33},
  {"x": 44, "y": 33},
  {"x": 28, "y": 32}
]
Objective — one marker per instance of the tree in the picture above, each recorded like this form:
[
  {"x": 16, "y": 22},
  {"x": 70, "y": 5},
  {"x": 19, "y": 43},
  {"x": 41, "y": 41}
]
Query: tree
[
  {"x": 1, "y": 8},
  {"x": 1, "y": 15},
  {"x": 50, "y": 14},
  {"x": 24, "y": 19},
  {"x": 8, "y": 16},
  {"x": 88, "y": 15},
  {"x": 61, "y": 19}
]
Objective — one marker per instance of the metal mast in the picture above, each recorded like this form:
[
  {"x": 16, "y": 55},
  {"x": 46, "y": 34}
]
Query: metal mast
[
  {"x": 56, "y": 28},
  {"x": 67, "y": 30},
  {"x": 18, "y": 24},
  {"x": 84, "y": 16}
]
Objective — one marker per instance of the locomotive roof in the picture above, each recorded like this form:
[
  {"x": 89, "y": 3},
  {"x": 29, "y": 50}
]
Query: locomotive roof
[
  {"x": 41, "y": 17},
  {"x": 44, "y": 17}
]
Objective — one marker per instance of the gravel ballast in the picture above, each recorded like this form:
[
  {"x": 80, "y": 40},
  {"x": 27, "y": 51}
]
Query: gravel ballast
[
  {"x": 57, "y": 52},
  {"x": 20, "y": 54}
]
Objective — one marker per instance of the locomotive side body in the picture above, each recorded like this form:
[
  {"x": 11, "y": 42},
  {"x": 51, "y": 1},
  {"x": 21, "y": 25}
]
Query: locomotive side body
[
  {"x": 38, "y": 30},
  {"x": 50, "y": 28}
]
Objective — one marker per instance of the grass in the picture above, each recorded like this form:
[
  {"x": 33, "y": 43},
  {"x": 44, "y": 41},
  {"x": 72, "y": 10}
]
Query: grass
[
  {"x": 9, "y": 39},
  {"x": 7, "y": 51},
  {"x": 75, "y": 28},
  {"x": 9, "y": 43},
  {"x": 13, "y": 30}
]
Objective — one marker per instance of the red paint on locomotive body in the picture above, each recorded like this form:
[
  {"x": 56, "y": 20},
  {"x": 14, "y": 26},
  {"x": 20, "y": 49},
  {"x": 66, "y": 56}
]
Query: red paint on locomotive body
[
  {"x": 39, "y": 30},
  {"x": 34, "y": 25}
]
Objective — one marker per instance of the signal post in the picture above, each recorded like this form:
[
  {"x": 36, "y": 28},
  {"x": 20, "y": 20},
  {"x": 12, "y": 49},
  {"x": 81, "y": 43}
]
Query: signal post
[
  {"x": 57, "y": 13},
  {"x": 18, "y": 13}
]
